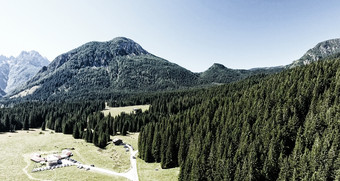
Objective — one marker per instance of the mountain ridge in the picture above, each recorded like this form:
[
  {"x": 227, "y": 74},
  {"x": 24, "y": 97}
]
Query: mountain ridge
[
  {"x": 122, "y": 65},
  {"x": 118, "y": 65}
]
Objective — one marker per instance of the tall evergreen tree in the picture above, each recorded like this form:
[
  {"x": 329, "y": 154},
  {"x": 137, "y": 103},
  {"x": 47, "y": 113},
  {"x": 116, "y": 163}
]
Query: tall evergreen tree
[
  {"x": 43, "y": 126},
  {"x": 7, "y": 123},
  {"x": 26, "y": 123}
]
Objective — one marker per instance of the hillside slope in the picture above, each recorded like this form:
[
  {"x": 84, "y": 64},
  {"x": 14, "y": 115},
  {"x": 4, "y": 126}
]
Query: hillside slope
[
  {"x": 280, "y": 127},
  {"x": 119, "y": 65},
  {"x": 321, "y": 50},
  {"x": 219, "y": 74},
  {"x": 101, "y": 69}
]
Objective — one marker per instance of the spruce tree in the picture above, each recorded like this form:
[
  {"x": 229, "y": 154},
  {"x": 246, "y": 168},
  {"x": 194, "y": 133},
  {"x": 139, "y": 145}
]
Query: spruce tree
[
  {"x": 76, "y": 133},
  {"x": 43, "y": 126},
  {"x": 26, "y": 123},
  {"x": 7, "y": 123}
]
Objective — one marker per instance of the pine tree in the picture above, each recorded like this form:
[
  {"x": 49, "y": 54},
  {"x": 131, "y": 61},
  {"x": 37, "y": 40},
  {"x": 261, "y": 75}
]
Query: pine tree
[
  {"x": 107, "y": 135},
  {"x": 7, "y": 123},
  {"x": 95, "y": 138},
  {"x": 156, "y": 145},
  {"x": 26, "y": 123},
  {"x": 76, "y": 133},
  {"x": 123, "y": 131},
  {"x": 169, "y": 161},
  {"x": 43, "y": 126},
  {"x": 114, "y": 128}
]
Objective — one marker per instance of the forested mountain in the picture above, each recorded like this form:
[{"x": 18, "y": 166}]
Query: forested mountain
[
  {"x": 279, "y": 127},
  {"x": 218, "y": 73},
  {"x": 15, "y": 71},
  {"x": 103, "y": 69},
  {"x": 120, "y": 65},
  {"x": 321, "y": 50}
]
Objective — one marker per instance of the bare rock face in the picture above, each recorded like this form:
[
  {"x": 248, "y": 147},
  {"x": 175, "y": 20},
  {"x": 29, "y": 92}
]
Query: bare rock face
[
  {"x": 4, "y": 71},
  {"x": 15, "y": 71},
  {"x": 321, "y": 50}
]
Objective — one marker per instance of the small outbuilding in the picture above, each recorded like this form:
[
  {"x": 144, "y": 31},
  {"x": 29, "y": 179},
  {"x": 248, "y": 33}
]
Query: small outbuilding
[
  {"x": 137, "y": 110},
  {"x": 117, "y": 141},
  {"x": 52, "y": 160},
  {"x": 66, "y": 153},
  {"x": 37, "y": 158}
]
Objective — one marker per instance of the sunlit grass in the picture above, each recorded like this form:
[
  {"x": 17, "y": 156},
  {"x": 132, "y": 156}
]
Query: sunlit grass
[
  {"x": 154, "y": 172},
  {"x": 16, "y": 149},
  {"x": 149, "y": 171},
  {"x": 115, "y": 111}
]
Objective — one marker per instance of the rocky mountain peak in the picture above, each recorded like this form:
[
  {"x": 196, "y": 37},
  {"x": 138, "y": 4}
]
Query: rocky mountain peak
[
  {"x": 321, "y": 50},
  {"x": 124, "y": 46},
  {"x": 15, "y": 71},
  {"x": 31, "y": 58},
  {"x": 217, "y": 66},
  {"x": 97, "y": 54}
]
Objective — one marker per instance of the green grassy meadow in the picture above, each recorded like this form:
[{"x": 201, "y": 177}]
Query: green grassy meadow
[
  {"x": 154, "y": 172},
  {"x": 115, "y": 111},
  {"x": 16, "y": 149}
]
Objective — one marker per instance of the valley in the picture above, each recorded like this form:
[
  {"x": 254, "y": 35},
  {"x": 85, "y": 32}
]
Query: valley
[
  {"x": 169, "y": 90},
  {"x": 221, "y": 124}
]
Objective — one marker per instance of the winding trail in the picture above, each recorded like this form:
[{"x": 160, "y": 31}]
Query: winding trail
[{"x": 26, "y": 172}]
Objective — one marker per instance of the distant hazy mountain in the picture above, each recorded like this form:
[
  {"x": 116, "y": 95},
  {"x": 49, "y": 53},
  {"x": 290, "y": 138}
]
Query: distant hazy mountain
[
  {"x": 321, "y": 50},
  {"x": 15, "y": 71}
]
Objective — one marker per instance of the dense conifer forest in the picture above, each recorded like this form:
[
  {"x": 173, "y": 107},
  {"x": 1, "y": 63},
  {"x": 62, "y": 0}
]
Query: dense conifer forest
[
  {"x": 277, "y": 127},
  {"x": 281, "y": 127}
]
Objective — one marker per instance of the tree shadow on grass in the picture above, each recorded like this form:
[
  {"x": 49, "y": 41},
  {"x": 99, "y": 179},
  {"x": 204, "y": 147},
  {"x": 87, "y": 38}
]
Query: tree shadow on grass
[{"x": 8, "y": 132}]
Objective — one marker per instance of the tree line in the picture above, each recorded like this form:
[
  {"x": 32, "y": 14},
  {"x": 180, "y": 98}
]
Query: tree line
[{"x": 84, "y": 120}]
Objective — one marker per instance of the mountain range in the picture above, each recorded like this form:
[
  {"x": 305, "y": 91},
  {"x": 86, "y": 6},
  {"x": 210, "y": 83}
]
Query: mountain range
[
  {"x": 123, "y": 66},
  {"x": 15, "y": 71}
]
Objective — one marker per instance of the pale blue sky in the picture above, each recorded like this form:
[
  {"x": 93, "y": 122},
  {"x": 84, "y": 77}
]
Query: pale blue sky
[{"x": 192, "y": 33}]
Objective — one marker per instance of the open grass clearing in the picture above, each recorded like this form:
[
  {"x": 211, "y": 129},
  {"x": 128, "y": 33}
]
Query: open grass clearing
[
  {"x": 154, "y": 172},
  {"x": 16, "y": 149},
  {"x": 149, "y": 171},
  {"x": 130, "y": 138},
  {"x": 115, "y": 111}
]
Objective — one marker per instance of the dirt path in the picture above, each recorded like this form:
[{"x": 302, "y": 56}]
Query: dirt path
[
  {"x": 132, "y": 173},
  {"x": 26, "y": 172}
]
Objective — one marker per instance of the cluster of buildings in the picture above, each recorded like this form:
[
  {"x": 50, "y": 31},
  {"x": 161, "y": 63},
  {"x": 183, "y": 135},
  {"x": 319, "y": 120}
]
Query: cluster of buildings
[{"x": 52, "y": 159}]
